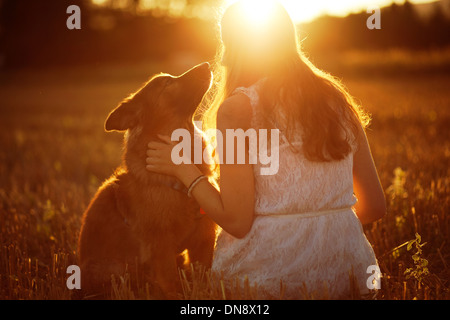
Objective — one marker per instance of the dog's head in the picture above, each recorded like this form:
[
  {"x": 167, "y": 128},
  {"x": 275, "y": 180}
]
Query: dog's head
[{"x": 163, "y": 104}]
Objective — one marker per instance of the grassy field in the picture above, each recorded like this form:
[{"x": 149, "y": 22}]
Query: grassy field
[{"x": 54, "y": 155}]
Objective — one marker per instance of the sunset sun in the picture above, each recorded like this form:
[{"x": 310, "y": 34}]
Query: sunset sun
[{"x": 257, "y": 11}]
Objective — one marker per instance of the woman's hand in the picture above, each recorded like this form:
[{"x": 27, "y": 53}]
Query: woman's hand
[
  {"x": 159, "y": 157},
  {"x": 232, "y": 207},
  {"x": 159, "y": 160}
]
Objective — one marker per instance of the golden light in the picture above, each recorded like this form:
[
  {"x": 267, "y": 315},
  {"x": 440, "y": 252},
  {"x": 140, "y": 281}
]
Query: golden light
[
  {"x": 304, "y": 11},
  {"x": 99, "y": 2},
  {"x": 257, "y": 11},
  {"x": 307, "y": 10}
]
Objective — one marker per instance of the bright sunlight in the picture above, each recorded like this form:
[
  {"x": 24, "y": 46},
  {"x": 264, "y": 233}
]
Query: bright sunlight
[
  {"x": 307, "y": 10},
  {"x": 257, "y": 11},
  {"x": 300, "y": 11}
]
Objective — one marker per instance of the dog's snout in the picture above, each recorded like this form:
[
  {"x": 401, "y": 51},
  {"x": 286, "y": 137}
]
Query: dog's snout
[
  {"x": 205, "y": 65},
  {"x": 200, "y": 71},
  {"x": 203, "y": 70}
]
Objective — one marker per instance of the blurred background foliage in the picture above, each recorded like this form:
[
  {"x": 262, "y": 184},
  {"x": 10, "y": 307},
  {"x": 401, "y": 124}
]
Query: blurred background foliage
[{"x": 34, "y": 33}]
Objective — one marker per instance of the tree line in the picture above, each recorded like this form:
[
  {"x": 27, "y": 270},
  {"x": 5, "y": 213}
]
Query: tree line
[{"x": 34, "y": 33}]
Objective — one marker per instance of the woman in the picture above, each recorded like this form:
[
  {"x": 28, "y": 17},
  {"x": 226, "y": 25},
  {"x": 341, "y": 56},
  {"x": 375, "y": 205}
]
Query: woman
[{"x": 296, "y": 227}]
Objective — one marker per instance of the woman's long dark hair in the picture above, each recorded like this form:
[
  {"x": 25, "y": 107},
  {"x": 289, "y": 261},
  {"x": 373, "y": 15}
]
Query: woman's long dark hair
[{"x": 312, "y": 100}]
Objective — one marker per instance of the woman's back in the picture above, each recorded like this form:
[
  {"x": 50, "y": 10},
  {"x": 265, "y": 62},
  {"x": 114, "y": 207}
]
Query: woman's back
[
  {"x": 305, "y": 232},
  {"x": 300, "y": 185}
]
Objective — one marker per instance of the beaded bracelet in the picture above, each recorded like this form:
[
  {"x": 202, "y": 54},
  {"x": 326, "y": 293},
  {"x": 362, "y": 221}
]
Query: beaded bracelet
[{"x": 194, "y": 183}]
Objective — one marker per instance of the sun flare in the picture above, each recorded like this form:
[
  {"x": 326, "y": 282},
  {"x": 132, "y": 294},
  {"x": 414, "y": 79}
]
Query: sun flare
[
  {"x": 257, "y": 11},
  {"x": 306, "y": 10}
]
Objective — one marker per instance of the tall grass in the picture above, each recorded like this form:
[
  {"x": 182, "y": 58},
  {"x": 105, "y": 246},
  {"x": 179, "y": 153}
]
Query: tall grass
[{"x": 54, "y": 155}]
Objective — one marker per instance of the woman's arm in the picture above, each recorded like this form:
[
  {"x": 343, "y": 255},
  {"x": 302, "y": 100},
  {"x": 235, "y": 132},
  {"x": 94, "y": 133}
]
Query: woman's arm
[
  {"x": 371, "y": 204},
  {"x": 232, "y": 208}
]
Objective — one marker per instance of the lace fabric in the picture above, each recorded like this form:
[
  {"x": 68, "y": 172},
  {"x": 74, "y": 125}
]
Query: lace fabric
[{"x": 313, "y": 252}]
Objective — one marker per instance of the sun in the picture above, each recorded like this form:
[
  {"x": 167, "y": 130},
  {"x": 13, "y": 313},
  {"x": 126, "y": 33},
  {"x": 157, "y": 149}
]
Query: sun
[{"x": 257, "y": 11}]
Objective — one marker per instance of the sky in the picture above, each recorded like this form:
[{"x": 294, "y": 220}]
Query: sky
[
  {"x": 307, "y": 10},
  {"x": 300, "y": 10}
]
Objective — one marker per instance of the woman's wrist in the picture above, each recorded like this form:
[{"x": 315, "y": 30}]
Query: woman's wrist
[
  {"x": 187, "y": 173},
  {"x": 195, "y": 183}
]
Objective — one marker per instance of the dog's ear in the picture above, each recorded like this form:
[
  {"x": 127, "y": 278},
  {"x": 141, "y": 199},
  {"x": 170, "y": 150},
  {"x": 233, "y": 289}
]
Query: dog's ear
[{"x": 123, "y": 117}]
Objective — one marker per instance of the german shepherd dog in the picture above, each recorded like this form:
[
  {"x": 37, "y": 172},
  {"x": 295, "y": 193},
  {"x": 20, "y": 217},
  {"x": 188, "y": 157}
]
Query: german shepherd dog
[{"x": 140, "y": 220}]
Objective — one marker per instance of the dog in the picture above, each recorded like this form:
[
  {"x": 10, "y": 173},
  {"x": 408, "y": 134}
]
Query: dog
[{"x": 140, "y": 220}]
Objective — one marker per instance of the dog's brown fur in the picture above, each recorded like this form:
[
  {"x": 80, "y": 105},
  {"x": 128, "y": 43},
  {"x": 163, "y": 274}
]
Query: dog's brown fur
[{"x": 137, "y": 220}]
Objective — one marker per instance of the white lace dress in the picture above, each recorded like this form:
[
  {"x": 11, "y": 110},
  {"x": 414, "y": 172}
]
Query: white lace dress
[{"x": 305, "y": 234}]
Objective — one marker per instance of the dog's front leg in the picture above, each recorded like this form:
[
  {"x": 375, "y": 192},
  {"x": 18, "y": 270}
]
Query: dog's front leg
[
  {"x": 201, "y": 244},
  {"x": 162, "y": 268}
]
